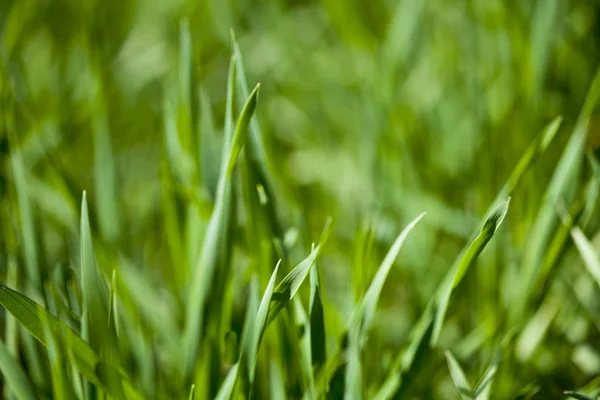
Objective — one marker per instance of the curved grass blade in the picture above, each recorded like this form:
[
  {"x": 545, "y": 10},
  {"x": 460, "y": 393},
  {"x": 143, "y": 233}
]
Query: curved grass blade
[
  {"x": 365, "y": 312},
  {"x": 459, "y": 378},
  {"x": 363, "y": 315},
  {"x": 483, "y": 387},
  {"x": 214, "y": 247},
  {"x": 485, "y": 235},
  {"x": 33, "y": 317},
  {"x": 288, "y": 287},
  {"x": 14, "y": 376}
]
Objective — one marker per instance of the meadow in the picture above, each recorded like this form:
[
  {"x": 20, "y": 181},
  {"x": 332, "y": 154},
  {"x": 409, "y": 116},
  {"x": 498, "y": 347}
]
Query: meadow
[{"x": 393, "y": 199}]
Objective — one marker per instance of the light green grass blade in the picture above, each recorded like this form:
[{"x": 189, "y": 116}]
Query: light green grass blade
[
  {"x": 487, "y": 232},
  {"x": 226, "y": 389},
  {"x": 588, "y": 253},
  {"x": 459, "y": 378},
  {"x": 288, "y": 287},
  {"x": 14, "y": 376},
  {"x": 260, "y": 324},
  {"x": 578, "y": 396},
  {"x": 365, "y": 312},
  {"x": 533, "y": 333},
  {"x": 241, "y": 129},
  {"x": 276, "y": 383},
  {"x": 483, "y": 388},
  {"x": 363, "y": 315}
]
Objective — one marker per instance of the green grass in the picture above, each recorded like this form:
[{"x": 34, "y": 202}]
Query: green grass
[{"x": 405, "y": 207}]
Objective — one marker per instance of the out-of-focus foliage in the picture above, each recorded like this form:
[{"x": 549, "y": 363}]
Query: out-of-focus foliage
[{"x": 370, "y": 112}]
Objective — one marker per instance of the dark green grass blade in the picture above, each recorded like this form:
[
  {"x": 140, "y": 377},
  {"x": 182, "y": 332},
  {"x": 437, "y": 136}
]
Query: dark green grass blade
[{"x": 317, "y": 321}]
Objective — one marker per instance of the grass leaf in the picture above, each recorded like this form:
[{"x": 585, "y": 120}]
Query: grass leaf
[
  {"x": 487, "y": 232},
  {"x": 459, "y": 378}
]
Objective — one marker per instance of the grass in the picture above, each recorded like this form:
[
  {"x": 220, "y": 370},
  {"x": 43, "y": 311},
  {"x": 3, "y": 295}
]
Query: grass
[{"x": 405, "y": 207}]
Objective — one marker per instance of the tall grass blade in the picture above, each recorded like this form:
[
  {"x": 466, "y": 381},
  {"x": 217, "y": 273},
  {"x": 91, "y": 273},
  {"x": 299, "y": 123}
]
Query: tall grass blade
[
  {"x": 485, "y": 235},
  {"x": 217, "y": 230}
]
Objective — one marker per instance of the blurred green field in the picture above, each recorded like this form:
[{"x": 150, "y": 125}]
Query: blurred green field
[{"x": 147, "y": 193}]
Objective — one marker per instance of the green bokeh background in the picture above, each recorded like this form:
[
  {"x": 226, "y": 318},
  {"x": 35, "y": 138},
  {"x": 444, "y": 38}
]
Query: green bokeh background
[{"x": 371, "y": 112}]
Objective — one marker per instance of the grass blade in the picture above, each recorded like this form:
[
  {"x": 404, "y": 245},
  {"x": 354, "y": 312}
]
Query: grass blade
[
  {"x": 288, "y": 287},
  {"x": 485, "y": 235},
  {"x": 241, "y": 129},
  {"x": 317, "y": 321},
  {"x": 14, "y": 376},
  {"x": 458, "y": 377},
  {"x": 587, "y": 252},
  {"x": 226, "y": 388},
  {"x": 33, "y": 317},
  {"x": 260, "y": 324},
  {"x": 578, "y": 396},
  {"x": 366, "y": 311},
  {"x": 214, "y": 247}
]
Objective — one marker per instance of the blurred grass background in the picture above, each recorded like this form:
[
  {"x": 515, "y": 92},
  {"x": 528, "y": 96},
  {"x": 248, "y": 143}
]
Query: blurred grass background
[{"x": 371, "y": 112}]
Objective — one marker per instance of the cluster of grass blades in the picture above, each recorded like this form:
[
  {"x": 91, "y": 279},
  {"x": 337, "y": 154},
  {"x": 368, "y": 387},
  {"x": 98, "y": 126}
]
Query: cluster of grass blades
[{"x": 103, "y": 329}]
